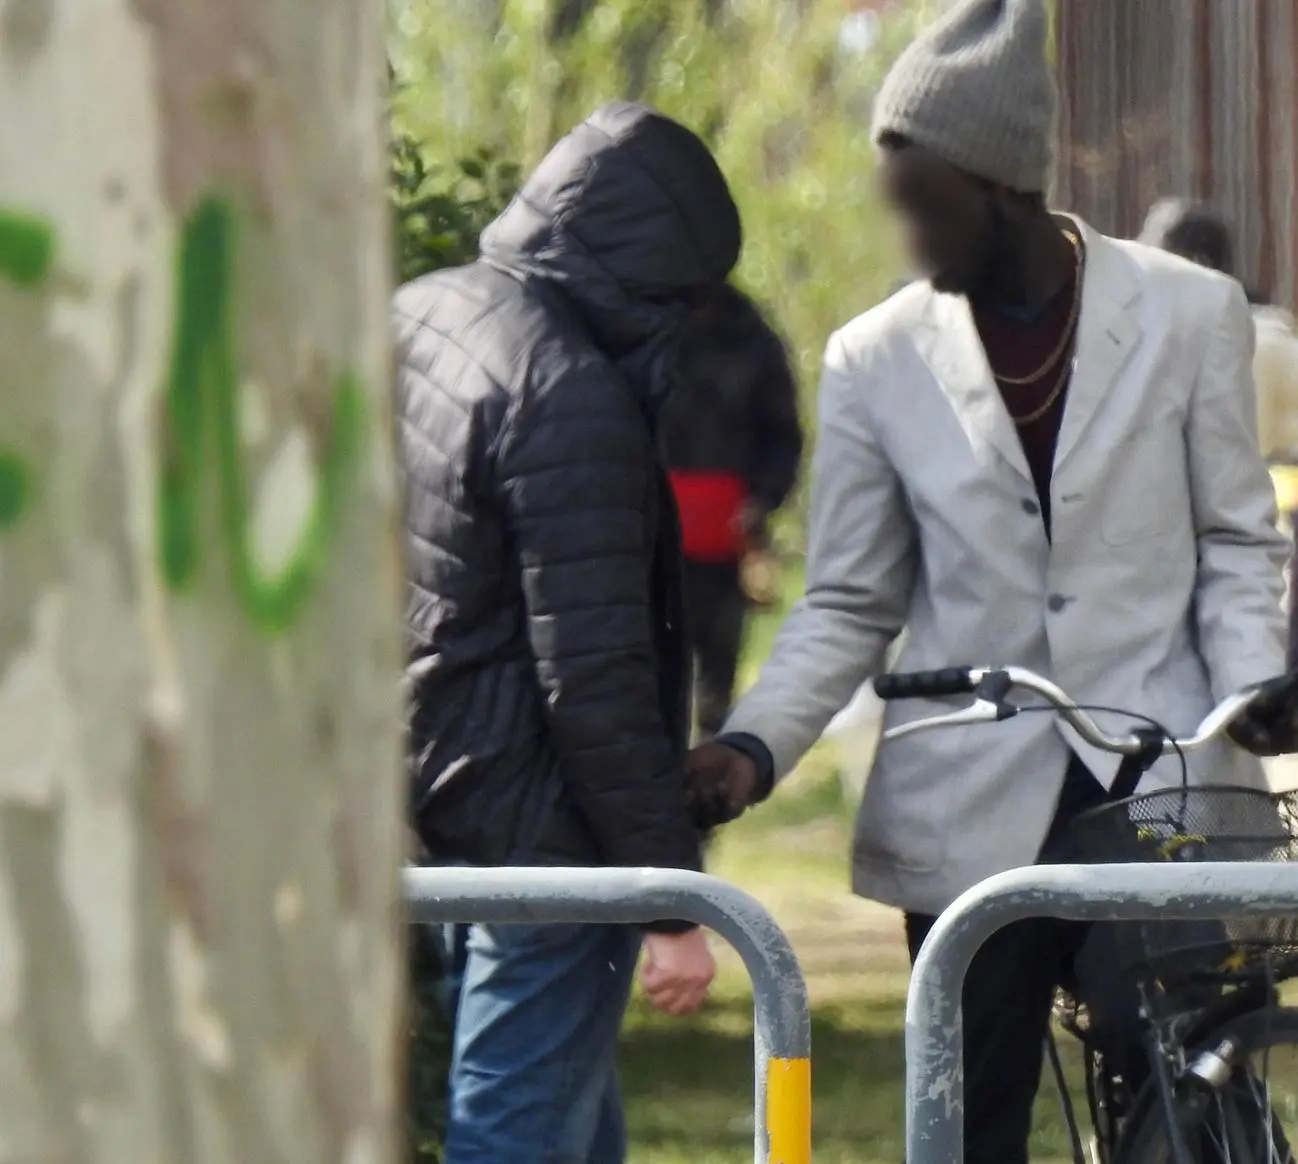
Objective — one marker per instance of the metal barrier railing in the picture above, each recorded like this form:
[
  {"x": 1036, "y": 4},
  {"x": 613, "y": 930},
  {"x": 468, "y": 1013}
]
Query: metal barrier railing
[
  {"x": 934, "y": 1034},
  {"x": 782, "y": 1019}
]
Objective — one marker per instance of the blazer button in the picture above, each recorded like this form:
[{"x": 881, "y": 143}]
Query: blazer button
[
  {"x": 1055, "y": 603},
  {"x": 1031, "y": 508}
]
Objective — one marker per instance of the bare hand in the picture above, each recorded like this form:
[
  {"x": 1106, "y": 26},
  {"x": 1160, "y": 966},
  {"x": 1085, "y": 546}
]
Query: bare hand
[
  {"x": 722, "y": 782},
  {"x": 676, "y": 971}
]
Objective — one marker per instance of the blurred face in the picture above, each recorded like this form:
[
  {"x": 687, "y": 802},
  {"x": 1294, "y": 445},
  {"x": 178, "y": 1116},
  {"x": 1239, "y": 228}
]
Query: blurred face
[{"x": 955, "y": 225}]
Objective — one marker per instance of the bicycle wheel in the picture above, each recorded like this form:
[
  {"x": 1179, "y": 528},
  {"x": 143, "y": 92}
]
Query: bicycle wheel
[{"x": 1251, "y": 1119}]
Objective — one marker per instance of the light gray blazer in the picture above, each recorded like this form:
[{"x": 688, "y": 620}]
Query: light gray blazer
[{"x": 1160, "y": 592}]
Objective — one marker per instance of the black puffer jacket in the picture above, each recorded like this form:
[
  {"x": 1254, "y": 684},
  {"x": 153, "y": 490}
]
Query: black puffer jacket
[{"x": 546, "y": 664}]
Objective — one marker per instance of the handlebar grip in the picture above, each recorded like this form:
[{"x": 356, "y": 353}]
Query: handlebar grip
[{"x": 925, "y": 684}]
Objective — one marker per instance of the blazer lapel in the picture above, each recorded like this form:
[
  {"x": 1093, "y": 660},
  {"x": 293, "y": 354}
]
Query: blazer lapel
[
  {"x": 1107, "y": 334},
  {"x": 948, "y": 341}
]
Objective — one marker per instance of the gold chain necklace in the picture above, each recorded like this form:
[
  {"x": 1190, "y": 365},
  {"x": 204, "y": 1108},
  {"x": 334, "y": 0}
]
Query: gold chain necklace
[
  {"x": 1074, "y": 312},
  {"x": 1046, "y": 405}
]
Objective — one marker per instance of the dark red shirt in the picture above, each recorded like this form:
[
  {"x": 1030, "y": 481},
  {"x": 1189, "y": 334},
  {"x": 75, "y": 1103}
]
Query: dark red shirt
[{"x": 1017, "y": 343}]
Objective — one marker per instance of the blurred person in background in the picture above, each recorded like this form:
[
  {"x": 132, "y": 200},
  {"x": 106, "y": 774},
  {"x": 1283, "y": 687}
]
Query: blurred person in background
[
  {"x": 1042, "y": 453},
  {"x": 1202, "y": 236},
  {"x": 732, "y": 441},
  {"x": 547, "y": 671}
]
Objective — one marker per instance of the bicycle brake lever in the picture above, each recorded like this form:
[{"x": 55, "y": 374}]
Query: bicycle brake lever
[{"x": 980, "y": 711}]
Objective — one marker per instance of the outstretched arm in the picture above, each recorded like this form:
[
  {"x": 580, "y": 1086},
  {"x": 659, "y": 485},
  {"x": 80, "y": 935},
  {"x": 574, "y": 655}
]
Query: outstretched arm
[{"x": 861, "y": 558}]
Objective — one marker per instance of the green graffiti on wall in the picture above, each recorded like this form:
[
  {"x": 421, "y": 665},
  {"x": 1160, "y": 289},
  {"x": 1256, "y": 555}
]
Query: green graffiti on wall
[
  {"x": 15, "y": 488},
  {"x": 202, "y": 425},
  {"x": 26, "y": 252},
  {"x": 26, "y": 247}
]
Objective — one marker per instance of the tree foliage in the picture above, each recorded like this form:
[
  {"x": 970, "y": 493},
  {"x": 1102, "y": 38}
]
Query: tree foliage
[
  {"x": 429, "y": 1052},
  {"x": 441, "y": 207}
]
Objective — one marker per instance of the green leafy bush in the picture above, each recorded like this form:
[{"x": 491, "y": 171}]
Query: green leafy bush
[
  {"x": 440, "y": 208},
  {"x": 429, "y": 1052}
]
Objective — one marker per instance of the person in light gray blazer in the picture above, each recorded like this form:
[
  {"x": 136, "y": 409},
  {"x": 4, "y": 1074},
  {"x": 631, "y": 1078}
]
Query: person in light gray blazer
[{"x": 1043, "y": 454}]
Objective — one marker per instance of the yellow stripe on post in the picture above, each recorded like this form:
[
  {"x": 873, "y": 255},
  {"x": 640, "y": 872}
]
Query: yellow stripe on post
[{"x": 788, "y": 1111}]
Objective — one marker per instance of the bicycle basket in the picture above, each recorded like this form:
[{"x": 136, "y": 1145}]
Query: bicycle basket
[{"x": 1196, "y": 824}]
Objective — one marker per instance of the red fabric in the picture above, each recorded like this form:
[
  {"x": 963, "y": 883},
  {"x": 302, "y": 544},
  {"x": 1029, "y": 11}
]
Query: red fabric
[{"x": 709, "y": 505}]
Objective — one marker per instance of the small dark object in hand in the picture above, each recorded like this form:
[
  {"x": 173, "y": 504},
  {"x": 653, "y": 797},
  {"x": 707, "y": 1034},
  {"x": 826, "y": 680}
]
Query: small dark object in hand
[{"x": 1269, "y": 727}]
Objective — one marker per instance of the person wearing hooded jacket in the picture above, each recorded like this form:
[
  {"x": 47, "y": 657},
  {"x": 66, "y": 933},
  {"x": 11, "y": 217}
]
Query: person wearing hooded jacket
[{"x": 547, "y": 672}]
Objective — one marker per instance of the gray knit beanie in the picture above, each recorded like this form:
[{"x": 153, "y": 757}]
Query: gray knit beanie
[{"x": 976, "y": 89}]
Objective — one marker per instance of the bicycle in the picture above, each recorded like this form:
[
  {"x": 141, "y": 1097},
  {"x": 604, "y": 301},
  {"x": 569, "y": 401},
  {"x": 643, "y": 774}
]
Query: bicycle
[{"x": 1208, "y": 1004}]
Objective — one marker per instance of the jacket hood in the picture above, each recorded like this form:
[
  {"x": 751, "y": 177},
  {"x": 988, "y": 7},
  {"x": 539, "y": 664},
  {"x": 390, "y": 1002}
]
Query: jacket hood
[{"x": 631, "y": 216}]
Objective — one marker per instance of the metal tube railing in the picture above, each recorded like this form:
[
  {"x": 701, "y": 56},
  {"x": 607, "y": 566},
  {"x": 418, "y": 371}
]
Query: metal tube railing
[
  {"x": 782, "y": 1018},
  {"x": 934, "y": 1030}
]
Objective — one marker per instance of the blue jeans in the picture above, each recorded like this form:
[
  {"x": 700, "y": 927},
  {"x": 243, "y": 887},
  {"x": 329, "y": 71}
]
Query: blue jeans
[{"x": 536, "y": 1012}]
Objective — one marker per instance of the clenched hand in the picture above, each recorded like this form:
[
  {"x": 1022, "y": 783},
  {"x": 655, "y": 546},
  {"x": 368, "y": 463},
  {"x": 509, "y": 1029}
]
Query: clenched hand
[
  {"x": 1269, "y": 727},
  {"x": 676, "y": 971},
  {"x": 721, "y": 783}
]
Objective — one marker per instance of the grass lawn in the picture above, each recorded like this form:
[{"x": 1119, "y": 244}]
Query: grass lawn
[{"x": 689, "y": 1083}]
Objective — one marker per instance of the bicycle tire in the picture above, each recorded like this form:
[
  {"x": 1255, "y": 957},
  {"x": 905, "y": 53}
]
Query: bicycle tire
[{"x": 1144, "y": 1141}]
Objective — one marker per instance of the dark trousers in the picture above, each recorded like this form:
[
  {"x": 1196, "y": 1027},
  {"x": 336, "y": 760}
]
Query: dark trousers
[
  {"x": 1008, "y": 997},
  {"x": 715, "y": 607},
  {"x": 1293, "y": 592}
]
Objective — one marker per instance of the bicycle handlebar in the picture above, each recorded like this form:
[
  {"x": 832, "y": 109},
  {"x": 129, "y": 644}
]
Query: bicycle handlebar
[
  {"x": 926, "y": 684},
  {"x": 991, "y": 686}
]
